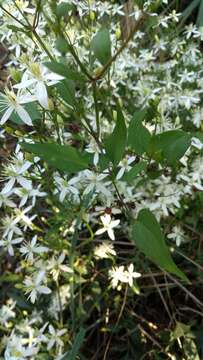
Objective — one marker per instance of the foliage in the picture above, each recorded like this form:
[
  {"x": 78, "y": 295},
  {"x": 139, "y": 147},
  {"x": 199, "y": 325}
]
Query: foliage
[{"x": 101, "y": 181}]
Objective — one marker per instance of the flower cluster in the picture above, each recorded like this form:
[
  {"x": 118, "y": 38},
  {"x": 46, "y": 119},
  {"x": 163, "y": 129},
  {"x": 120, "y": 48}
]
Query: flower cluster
[{"x": 58, "y": 224}]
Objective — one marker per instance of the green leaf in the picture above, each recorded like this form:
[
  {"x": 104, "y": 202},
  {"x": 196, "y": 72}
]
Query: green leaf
[
  {"x": 62, "y": 157},
  {"x": 63, "y": 9},
  {"x": 116, "y": 142},
  {"x": 170, "y": 145},
  {"x": 189, "y": 9},
  {"x": 64, "y": 70},
  {"x": 199, "y": 20},
  {"x": 62, "y": 45},
  {"x": 198, "y": 135},
  {"x": 103, "y": 162},
  {"x": 138, "y": 135},
  {"x": 72, "y": 354},
  {"x": 148, "y": 237},
  {"x": 66, "y": 90},
  {"x": 134, "y": 172},
  {"x": 101, "y": 46},
  {"x": 190, "y": 348}
]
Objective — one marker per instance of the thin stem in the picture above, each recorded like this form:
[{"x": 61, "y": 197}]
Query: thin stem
[
  {"x": 193, "y": 297},
  {"x": 94, "y": 89},
  {"x": 190, "y": 260},
  {"x": 42, "y": 44},
  {"x": 117, "y": 321},
  {"x": 150, "y": 337},
  {"x": 60, "y": 303},
  {"x": 74, "y": 54}
]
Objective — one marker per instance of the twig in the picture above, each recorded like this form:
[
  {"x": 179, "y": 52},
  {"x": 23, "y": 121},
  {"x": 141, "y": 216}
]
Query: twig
[
  {"x": 117, "y": 322},
  {"x": 193, "y": 297},
  {"x": 150, "y": 337}
]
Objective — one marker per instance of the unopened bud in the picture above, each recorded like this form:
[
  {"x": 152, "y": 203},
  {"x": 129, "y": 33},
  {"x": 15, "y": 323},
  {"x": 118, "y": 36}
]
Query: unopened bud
[
  {"x": 118, "y": 33},
  {"x": 98, "y": 71},
  {"x": 120, "y": 101},
  {"x": 15, "y": 74},
  {"x": 92, "y": 15},
  {"x": 51, "y": 104},
  {"x": 115, "y": 115}
]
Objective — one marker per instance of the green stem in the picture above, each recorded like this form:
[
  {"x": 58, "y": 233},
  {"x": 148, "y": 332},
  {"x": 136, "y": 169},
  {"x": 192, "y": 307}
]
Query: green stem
[
  {"x": 42, "y": 44},
  {"x": 60, "y": 304},
  {"x": 74, "y": 54},
  {"x": 94, "y": 88}
]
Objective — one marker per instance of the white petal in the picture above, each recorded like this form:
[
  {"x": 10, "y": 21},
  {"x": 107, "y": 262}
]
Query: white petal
[
  {"x": 24, "y": 84},
  {"x": 41, "y": 249},
  {"x": 114, "y": 223},
  {"x": 10, "y": 250},
  {"x": 23, "y": 200},
  {"x": 120, "y": 173},
  {"x": 25, "y": 166},
  {"x": 96, "y": 159},
  {"x": 24, "y": 182},
  {"x": 100, "y": 231},
  {"x": 8, "y": 186},
  {"x": 136, "y": 275},
  {"x": 23, "y": 114},
  {"x": 111, "y": 234},
  {"x": 106, "y": 219},
  {"x": 41, "y": 94},
  {"x": 40, "y": 277},
  {"x": 33, "y": 296},
  {"x": 6, "y": 115},
  {"x": 44, "y": 290}
]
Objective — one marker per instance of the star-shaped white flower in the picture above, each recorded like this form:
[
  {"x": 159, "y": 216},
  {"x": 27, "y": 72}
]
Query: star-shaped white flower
[
  {"x": 11, "y": 102},
  {"x": 131, "y": 274},
  {"x": 108, "y": 226}
]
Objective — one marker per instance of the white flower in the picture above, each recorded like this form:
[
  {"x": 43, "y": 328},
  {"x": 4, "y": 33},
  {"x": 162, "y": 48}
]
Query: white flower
[
  {"x": 10, "y": 102},
  {"x": 34, "y": 286},
  {"x": 177, "y": 235},
  {"x": 16, "y": 351},
  {"x": 131, "y": 274},
  {"x": 56, "y": 266},
  {"x": 32, "y": 248},
  {"x": 6, "y": 312},
  {"x": 55, "y": 337},
  {"x": 124, "y": 166},
  {"x": 108, "y": 226},
  {"x": 8, "y": 243},
  {"x": 15, "y": 171},
  {"x": 4, "y": 199},
  {"x": 65, "y": 187},
  {"x": 95, "y": 182},
  {"x": 25, "y": 194},
  {"x": 93, "y": 148},
  {"x": 191, "y": 30},
  {"x": 9, "y": 227},
  {"x": 36, "y": 78},
  {"x": 23, "y": 219},
  {"x": 104, "y": 251},
  {"x": 117, "y": 274}
]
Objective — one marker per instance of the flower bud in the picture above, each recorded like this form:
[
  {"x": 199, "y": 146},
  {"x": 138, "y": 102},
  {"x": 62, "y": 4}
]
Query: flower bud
[{"x": 92, "y": 15}]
